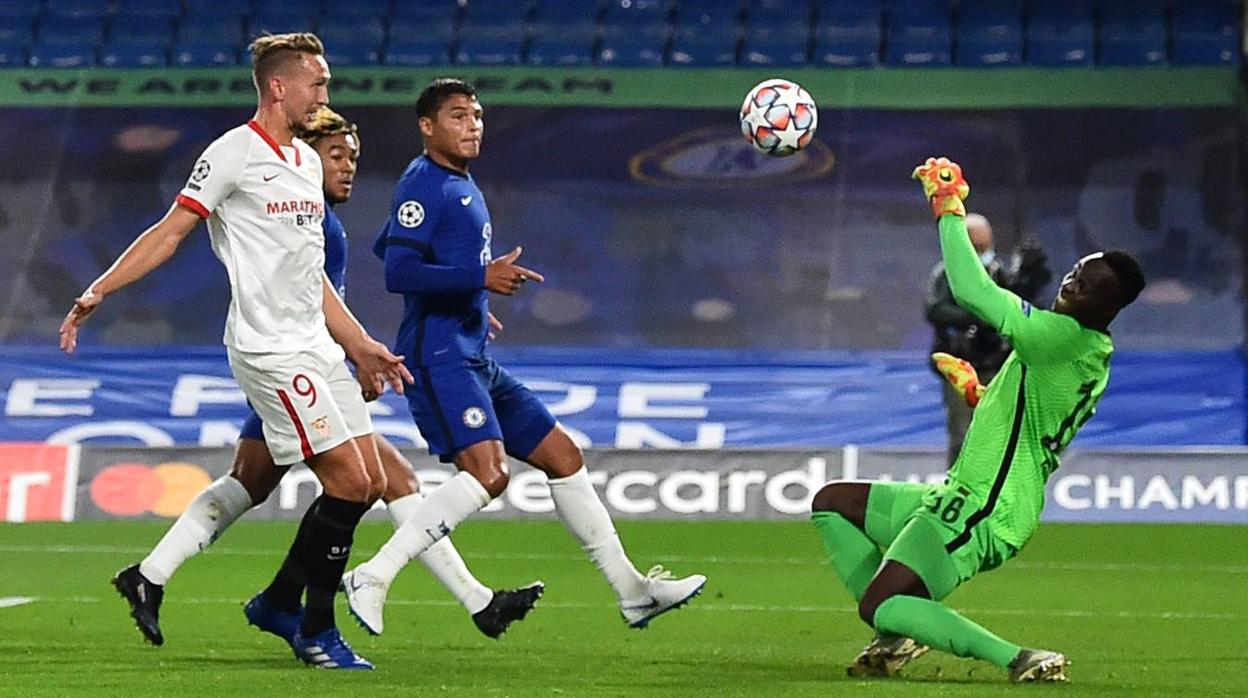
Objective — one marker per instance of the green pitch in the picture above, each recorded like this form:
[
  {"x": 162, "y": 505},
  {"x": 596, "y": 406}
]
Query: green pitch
[{"x": 1140, "y": 610}]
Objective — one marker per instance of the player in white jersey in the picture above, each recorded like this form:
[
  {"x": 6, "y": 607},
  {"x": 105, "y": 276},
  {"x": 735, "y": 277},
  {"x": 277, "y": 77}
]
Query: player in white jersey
[{"x": 287, "y": 331}]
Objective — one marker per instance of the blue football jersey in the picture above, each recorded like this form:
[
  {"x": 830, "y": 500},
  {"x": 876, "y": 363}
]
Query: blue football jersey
[
  {"x": 436, "y": 246},
  {"x": 335, "y": 251}
]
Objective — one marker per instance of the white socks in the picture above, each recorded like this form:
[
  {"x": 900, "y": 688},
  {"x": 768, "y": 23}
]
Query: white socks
[
  {"x": 584, "y": 515},
  {"x": 443, "y": 560},
  {"x": 429, "y": 521},
  {"x": 209, "y": 514}
]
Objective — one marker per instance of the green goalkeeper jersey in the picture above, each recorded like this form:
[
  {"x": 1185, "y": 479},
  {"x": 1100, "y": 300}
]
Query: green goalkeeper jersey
[{"x": 1046, "y": 390}]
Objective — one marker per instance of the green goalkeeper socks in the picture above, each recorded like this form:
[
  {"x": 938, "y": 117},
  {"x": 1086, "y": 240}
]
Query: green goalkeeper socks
[
  {"x": 940, "y": 627},
  {"x": 851, "y": 553}
]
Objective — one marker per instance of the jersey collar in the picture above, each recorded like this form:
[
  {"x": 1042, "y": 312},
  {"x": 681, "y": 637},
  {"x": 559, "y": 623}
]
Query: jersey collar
[{"x": 255, "y": 126}]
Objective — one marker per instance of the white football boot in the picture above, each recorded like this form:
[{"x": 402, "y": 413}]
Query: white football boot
[
  {"x": 662, "y": 594},
  {"x": 1038, "y": 665},
  {"x": 366, "y": 598}
]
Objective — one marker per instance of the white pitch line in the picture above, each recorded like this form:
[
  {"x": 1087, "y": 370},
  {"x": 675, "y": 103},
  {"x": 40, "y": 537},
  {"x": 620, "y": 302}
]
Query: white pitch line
[
  {"x": 692, "y": 559},
  {"x": 11, "y": 601},
  {"x": 753, "y": 608}
]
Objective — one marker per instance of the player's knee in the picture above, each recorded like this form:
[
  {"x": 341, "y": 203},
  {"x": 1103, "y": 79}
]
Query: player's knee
[
  {"x": 376, "y": 487},
  {"x": 867, "y": 608},
  {"x": 494, "y": 477},
  {"x": 837, "y": 497}
]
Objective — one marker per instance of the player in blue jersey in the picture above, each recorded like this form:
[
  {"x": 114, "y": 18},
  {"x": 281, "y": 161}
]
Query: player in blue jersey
[
  {"x": 436, "y": 248},
  {"x": 254, "y": 476}
]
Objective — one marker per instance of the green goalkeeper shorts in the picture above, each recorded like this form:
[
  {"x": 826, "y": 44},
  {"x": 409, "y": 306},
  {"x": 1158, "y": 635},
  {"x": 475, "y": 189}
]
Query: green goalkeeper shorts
[{"x": 943, "y": 545}]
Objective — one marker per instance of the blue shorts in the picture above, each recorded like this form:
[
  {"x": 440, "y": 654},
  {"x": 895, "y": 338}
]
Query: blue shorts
[
  {"x": 456, "y": 405},
  {"x": 253, "y": 428}
]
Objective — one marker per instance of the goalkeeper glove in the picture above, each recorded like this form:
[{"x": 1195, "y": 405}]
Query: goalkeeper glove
[
  {"x": 943, "y": 185},
  {"x": 961, "y": 375}
]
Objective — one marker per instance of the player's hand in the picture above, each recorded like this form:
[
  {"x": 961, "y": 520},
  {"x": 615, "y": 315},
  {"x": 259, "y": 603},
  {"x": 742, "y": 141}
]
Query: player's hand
[
  {"x": 943, "y": 185},
  {"x": 496, "y": 325},
  {"x": 84, "y": 305},
  {"x": 375, "y": 366},
  {"x": 961, "y": 375},
  {"x": 503, "y": 276},
  {"x": 367, "y": 390}
]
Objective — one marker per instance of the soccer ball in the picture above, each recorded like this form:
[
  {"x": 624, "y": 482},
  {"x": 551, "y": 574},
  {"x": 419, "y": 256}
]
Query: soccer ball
[{"x": 779, "y": 117}]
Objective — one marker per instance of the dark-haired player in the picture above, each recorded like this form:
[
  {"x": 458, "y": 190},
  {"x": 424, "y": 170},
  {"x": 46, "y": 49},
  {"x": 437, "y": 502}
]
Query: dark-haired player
[
  {"x": 937, "y": 537},
  {"x": 436, "y": 248}
]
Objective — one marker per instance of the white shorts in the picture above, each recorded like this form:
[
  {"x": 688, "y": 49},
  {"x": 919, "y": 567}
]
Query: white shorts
[{"x": 308, "y": 400}]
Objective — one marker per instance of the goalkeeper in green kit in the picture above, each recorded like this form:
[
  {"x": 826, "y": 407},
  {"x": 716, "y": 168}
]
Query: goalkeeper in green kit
[{"x": 901, "y": 548}]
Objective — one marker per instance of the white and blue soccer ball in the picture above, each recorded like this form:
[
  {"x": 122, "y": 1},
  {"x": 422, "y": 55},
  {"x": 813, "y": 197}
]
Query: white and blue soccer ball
[{"x": 779, "y": 117}]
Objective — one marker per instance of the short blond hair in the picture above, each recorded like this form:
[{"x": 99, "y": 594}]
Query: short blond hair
[
  {"x": 273, "y": 53},
  {"x": 328, "y": 122}
]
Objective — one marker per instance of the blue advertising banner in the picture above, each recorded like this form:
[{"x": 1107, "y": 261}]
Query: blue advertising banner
[{"x": 707, "y": 399}]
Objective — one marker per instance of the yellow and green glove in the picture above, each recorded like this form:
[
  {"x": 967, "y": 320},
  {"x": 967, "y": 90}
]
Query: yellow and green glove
[
  {"x": 961, "y": 375},
  {"x": 943, "y": 185}
]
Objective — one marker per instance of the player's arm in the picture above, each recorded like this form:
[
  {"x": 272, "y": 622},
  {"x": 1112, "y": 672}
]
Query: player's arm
[
  {"x": 150, "y": 250},
  {"x": 375, "y": 364},
  {"x": 940, "y": 308},
  {"x": 1039, "y": 336}
]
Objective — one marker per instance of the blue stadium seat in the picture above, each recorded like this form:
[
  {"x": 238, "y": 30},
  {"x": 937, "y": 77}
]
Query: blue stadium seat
[
  {"x": 201, "y": 29},
  {"x": 492, "y": 45},
  {"x": 275, "y": 22},
  {"x": 149, "y": 8},
  {"x": 354, "y": 31},
  {"x": 497, "y": 13},
  {"x": 20, "y": 9},
  {"x": 707, "y": 33},
  {"x": 990, "y": 33},
  {"x": 708, "y": 13},
  {"x": 425, "y": 11},
  {"x": 1060, "y": 35},
  {"x": 356, "y": 9},
  {"x": 777, "y": 14},
  {"x": 407, "y": 31},
  {"x": 148, "y": 31},
  {"x": 776, "y": 45},
  {"x": 87, "y": 31},
  {"x": 416, "y": 53},
  {"x": 218, "y": 8},
  {"x": 127, "y": 55},
  {"x": 573, "y": 12},
  {"x": 205, "y": 54},
  {"x": 1132, "y": 34},
  {"x": 16, "y": 31},
  {"x": 1205, "y": 32},
  {"x": 12, "y": 56},
  {"x": 633, "y": 47},
  {"x": 78, "y": 8},
  {"x": 61, "y": 56},
  {"x": 568, "y": 47},
  {"x": 352, "y": 53},
  {"x": 847, "y": 46},
  {"x": 919, "y": 34}
]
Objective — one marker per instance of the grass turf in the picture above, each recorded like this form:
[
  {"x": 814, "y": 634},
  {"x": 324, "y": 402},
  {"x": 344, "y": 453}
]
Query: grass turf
[{"x": 1140, "y": 610}]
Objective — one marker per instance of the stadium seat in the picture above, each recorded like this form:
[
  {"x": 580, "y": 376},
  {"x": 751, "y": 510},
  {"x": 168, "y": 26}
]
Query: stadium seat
[
  {"x": 128, "y": 55},
  {"x": 15, "y": 31},
  {"x": 497, "y": 13},
  {"x": 777, "y": 14},
  {"x": 205, "y": 54},
  {"x": 425, "y": 11},
  {"x": 20, "y": 9},
  {"x": 561, "y": 48},
  {"x": 141, "y": 31},
  {"x": 1060, "y": 34},
  {"x": 149, "y": 8},
  {"x": 707, "y": 33},
  {"x": 1132, "y": 34},
  {"x": 352, "y": 53},
  {"x": 201, "y": 29},
  {"x": 629, "y": 47},
  {"x": 776, "y": 45},
  {"x": 56, "y": 29},
  {"x": 847, "y": 47},
  {"x": 407, "y": 31},
  {"x": 360, "y": 30},
  {"x": 276, "y": 22},
  {"x": 919, "y": 34},
  {"x": 493, "y": 45},
  {"x": 416, "y": 53},
  {"x": 571, "y": 12},
  {"x": 61, "y": 56},
  {"x": 708, "y": 13},
  {"x": 356, "y": 9},
  {"x": 12, "y": 55},
  {"x": 1205, "y": 32},
  {"x": 218, "y": 8},
  {"x": 990, "y": 33},
  {"x": 78, "y": 8}
]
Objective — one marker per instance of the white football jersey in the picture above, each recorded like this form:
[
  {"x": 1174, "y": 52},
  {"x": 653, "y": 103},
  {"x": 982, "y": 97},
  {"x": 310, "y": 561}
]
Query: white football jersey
[{"x": 264, "y": 205}]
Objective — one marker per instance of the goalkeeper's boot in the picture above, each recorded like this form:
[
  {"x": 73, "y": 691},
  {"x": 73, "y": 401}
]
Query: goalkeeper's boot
[
  {"x": 144, "y": 598},
  {"x": 271, "y": 619},
  {"x": 327, "y": 650},
  {"x": 662, "y": 594},
  {"x": 1038, "y": 665},
  {"x": 885, "y": 655},
  {"x": 961, "y": 375},
  {"x": 366, "y": 598},
  {"x": 507, "y": 607}
]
